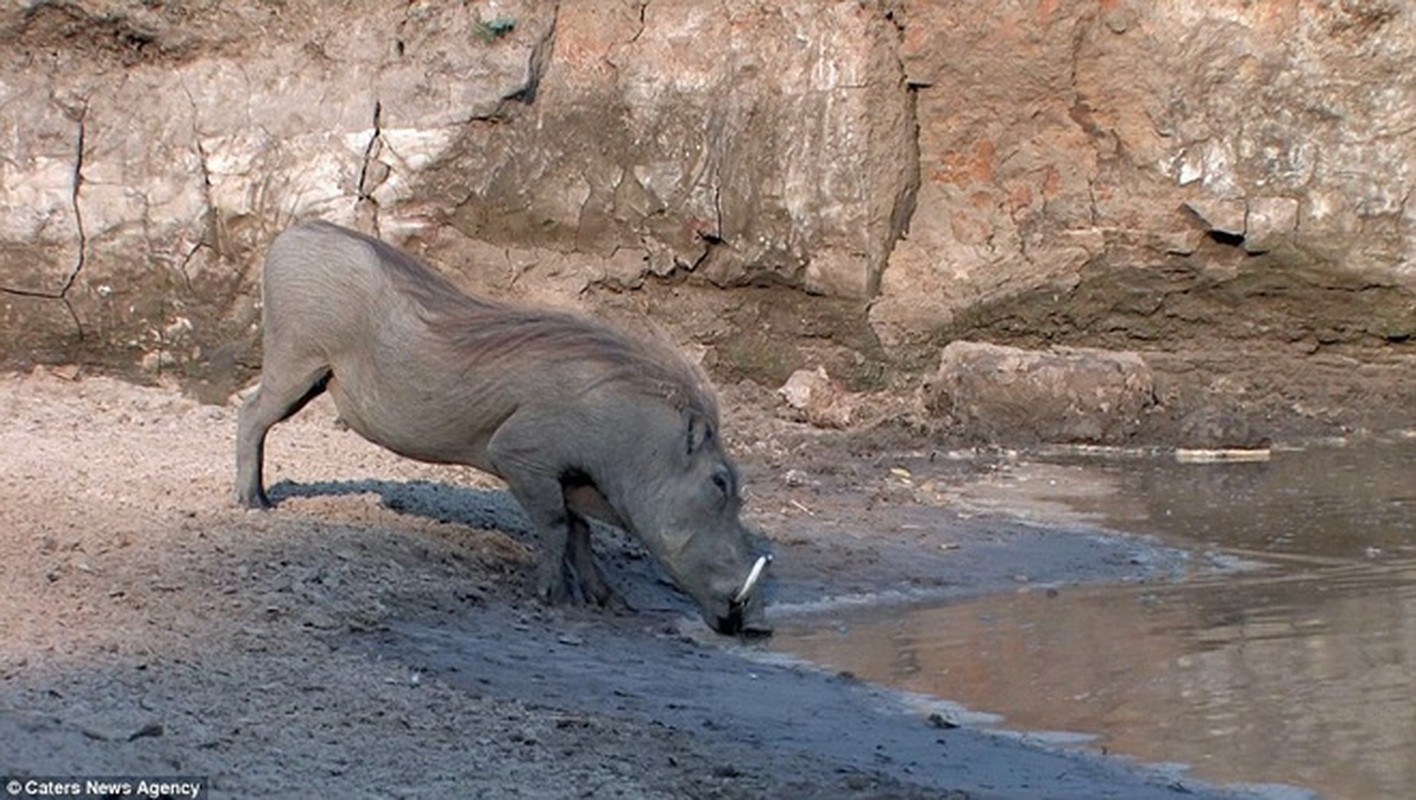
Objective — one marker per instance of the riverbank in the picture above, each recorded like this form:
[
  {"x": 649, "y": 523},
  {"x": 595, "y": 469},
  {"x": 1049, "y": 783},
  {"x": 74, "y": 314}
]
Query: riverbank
[{"x": 372, "y": 637}]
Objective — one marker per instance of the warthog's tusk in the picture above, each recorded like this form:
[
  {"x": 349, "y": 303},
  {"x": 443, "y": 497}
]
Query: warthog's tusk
[{"x": 752, "y": 578}]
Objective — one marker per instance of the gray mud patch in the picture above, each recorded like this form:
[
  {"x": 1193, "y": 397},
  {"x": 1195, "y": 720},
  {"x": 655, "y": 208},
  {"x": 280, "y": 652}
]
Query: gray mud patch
[{"x": 771, "y": 730}]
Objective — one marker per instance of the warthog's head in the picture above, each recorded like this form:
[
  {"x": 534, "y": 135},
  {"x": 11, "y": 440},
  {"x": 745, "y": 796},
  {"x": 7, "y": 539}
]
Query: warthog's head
[{"x": 692, "y": 503}]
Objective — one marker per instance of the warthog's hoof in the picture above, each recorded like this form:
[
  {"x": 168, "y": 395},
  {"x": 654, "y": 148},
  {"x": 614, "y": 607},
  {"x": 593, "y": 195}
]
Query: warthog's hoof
[
  {"x": 570, "y": 588},
  {"x": 254, "y": 500}
]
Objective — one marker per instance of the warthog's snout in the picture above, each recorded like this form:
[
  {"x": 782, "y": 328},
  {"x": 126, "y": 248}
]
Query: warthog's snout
[{"x": 745, "y": 615}]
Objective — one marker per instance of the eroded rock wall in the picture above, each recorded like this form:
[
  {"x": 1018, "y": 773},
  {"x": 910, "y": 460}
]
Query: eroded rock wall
[
  {"x": 902, "y": 172},
  {"x": 152, "y": 151},
  {"x": 1183, "y": 155}
]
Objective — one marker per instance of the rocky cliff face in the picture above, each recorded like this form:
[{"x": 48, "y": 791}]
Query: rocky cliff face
[
  {"x": 1118, "y": 161},
  {"x": 867, "y": 179}
]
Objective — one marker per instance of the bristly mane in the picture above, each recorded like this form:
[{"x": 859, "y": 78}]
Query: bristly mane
[{"x": 488, "y": 330}]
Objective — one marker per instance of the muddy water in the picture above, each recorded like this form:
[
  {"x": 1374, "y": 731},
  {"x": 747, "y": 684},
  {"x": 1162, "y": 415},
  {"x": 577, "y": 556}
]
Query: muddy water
[{"x": 1300, "y": 670}]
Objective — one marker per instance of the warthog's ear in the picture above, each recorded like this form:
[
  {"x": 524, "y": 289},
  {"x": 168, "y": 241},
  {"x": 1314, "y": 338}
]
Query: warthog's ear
[{"x": 700, "y": 430}]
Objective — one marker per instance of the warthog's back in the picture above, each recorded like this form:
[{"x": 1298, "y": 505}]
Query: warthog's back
[
  {"x": 332, "y": 288},
  {"x": 414, "y": 360}
]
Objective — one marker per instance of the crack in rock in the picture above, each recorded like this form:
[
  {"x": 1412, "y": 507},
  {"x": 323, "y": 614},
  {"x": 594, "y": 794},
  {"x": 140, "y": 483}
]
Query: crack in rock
[
  {"x": 372, "y": 173},
  {"x": 62, "y": 295},
  {"x": 537, "y": 64}
]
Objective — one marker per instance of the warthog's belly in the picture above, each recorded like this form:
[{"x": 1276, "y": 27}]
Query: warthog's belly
[{"x": 414, "y": 423}]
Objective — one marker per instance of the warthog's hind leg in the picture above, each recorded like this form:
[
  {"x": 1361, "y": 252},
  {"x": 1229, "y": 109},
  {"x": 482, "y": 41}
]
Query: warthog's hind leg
[{"x": 279, "y": 397}]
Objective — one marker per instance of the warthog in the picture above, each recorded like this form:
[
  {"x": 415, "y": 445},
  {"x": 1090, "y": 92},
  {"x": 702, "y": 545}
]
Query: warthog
[{"x": 578, "y": 418}]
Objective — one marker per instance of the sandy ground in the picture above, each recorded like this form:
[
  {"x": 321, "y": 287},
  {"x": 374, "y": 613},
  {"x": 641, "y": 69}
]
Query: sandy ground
[{"x": 372, "y": 636}]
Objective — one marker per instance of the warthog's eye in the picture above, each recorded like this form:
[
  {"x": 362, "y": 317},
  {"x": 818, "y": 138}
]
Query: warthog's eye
[{"x": 724, "y": 483}]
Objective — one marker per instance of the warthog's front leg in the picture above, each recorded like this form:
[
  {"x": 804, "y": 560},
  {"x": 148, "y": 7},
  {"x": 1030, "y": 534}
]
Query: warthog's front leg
[
  {"x": 567, "y": 572},
  {"x": 552, "y": 526},
  {"x": 519, "y": 452},
  {"x": 583, "y": 570}
]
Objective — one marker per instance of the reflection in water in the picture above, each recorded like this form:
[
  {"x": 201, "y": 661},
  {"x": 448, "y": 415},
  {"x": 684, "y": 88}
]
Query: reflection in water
[
  {"x": 1303, "y": 674},
  {"x": 1340, "y": 502}
]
